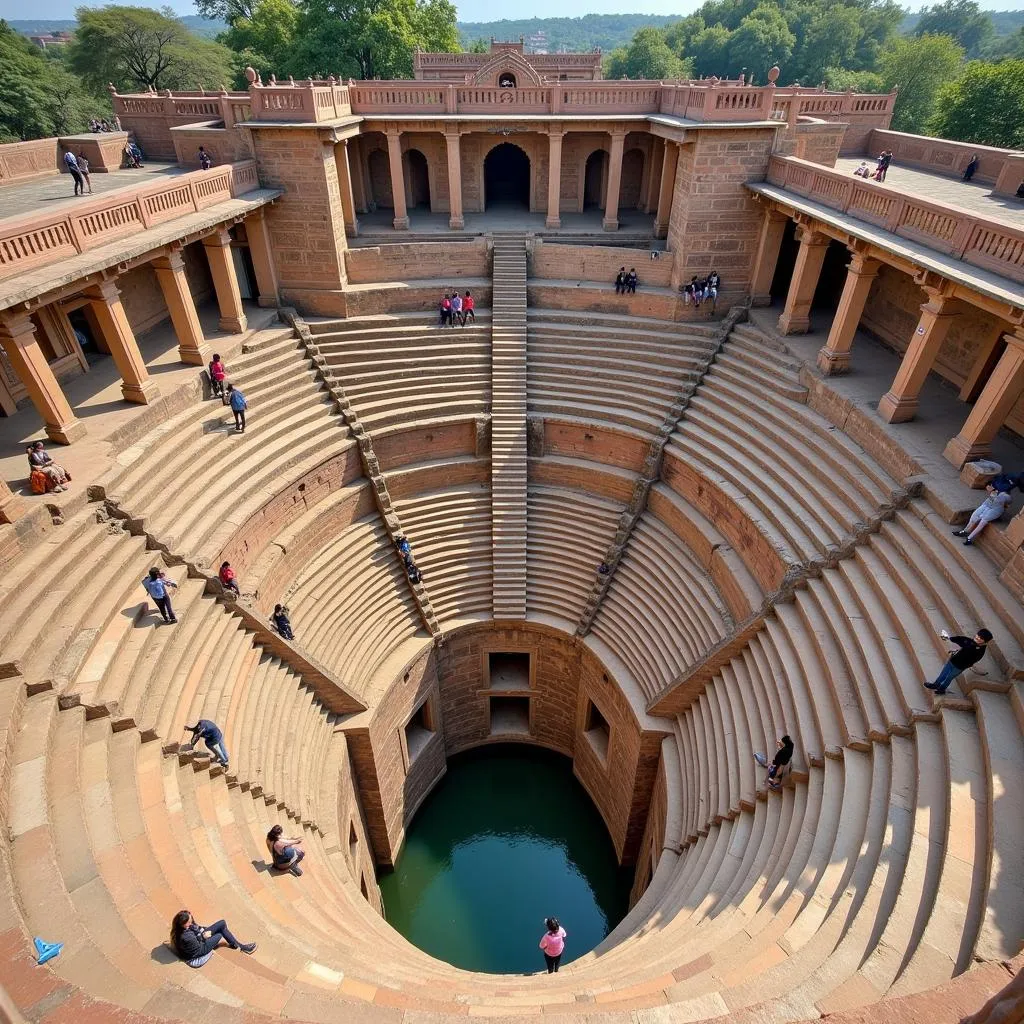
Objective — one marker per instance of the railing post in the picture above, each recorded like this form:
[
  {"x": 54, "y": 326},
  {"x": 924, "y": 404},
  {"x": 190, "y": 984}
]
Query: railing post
[{"x": 451, "y": 100}]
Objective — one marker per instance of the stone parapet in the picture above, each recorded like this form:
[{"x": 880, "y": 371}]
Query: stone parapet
[
  {"x": 983, "y": 241},
  {"x": 943, "y": 156}
]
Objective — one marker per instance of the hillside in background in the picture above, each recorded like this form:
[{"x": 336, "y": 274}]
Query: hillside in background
[
  {"x": 593, "y": 31},
  {"x": 38, "y": 27}
]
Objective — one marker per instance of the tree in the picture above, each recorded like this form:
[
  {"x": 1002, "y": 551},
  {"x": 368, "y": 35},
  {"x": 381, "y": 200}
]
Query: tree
[
  {"x": 762, "y": 39},
  {"x": 139, "y": 48},
  {"x": 38, "y": 97},
  {"x": 480, "y": 46},
  {"x": 830, "y": 40},
  {"x": 919, "y": 67},
  {"x": 264, "y": 39},
  {"x": 984, "y": 105},
  {"x": 962, "y": 19},
  {"x": 839, "y": 79},
  {"x": 710, "y": 50},
  {"x": 647, "y": 56},
  {"x": 227, "y": 10},
  {"x": 370, "y": 38}
]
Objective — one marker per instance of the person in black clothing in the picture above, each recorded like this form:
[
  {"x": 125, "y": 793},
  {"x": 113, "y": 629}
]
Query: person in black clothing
[
  {"x": 620, "y": 281},
  {"x": 969, "y": 652},
  {"x": 195, "y": 944},
  {"x": 281, "y": 622},
  {"x": 631, "y": 281},
  {"x": 782, "y": 757},
  {"x": 971, "y": 168}
]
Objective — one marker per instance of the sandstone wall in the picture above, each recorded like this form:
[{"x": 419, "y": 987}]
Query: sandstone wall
[
  {"x": 598, "y": 263},
  {"x": 653, "y": 839},
  {"x": 397, "y": 297},
  {"x": 438, "y": 441},
  {"x": 353, "y": 837},
  {"x": 390, "y": 785},
  {"x": 565, "y": 676},
  {"x": 658, "y": 305},
  {"x": 415, "y": 261},
  {"x": 715, "y": 220}
]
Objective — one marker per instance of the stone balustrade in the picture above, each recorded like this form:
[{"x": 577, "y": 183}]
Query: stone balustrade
[
  {"x": 976, "y": 239},
  {"x": 35, "y": 239},
  {"x": 24, "y": 161},
  {"x": 944, "y": 156}
]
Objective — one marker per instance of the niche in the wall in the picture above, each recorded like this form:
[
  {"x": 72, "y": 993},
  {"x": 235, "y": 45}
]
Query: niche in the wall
[
  {"x": 510, "y": 716},
  {"x": 597, "y": 731}
]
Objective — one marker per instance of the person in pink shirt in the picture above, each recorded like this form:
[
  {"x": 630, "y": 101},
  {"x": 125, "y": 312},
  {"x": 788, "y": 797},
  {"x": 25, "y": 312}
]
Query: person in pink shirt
[{"x": 553, "y": 943}]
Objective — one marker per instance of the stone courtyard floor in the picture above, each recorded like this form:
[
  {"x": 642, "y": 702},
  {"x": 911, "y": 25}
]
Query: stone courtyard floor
[
  {"x": 47, "y": 195},
  {"x": 966, "y": 196}
]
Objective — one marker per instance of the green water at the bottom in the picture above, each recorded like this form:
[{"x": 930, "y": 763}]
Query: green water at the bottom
[{"x": 507, "y": 838}]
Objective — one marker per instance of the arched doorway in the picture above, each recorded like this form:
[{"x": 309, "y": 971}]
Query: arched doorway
[
  {"x": 595, "y": 177},
  {"x": 417, "y": 179},
  {"x": 631, "y": 188},
  {"x": 507, "y": 178},
  {"x": 380, "y": 179}
]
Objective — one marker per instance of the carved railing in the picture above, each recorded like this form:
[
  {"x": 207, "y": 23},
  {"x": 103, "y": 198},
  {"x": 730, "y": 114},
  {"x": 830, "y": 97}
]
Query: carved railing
[
  {"x": 972, "y": 237},
  {"x": 35, "y": 239}
]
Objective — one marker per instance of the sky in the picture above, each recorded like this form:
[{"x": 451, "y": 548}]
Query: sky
[{"x": 469, "y": 10}]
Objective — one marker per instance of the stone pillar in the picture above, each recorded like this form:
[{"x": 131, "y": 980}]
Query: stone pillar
[
  {"x": 611, "y": 199},
  {"x": 899, "y": 403},
  {"x": 796, "y": 317},
  {"x": 998, "y": 397},
  {"x": 105, "y": 303},
  {"x": 401, "y": 221},
  {"x": 19, "y": 342},
  {"x": 834, "y": 356},
  {"x": 357, "y": 173},
  {"x": 766, "y": 260},
  {"x": 666, "y": 191},
  {"x": 348, "y": 199},
  {"x": 225, "y": 283},
  {"x": 12, "y": 506},
  {"x": 170, "y": 272},
  {"x": 455, "y": 219},
  {"x": 257, "y": 231},
  {"x": 984, "y": 363},
  {"x": 554, "y": 216},
  {"x": 653, "y": 163}
]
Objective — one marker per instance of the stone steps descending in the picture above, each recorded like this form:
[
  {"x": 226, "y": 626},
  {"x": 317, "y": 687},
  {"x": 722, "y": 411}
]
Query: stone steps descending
[{"x": 508, "y": 427}]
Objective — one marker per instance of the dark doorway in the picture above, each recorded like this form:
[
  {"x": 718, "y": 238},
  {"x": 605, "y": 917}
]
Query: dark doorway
[
  {"x": 786, "y": 262},
  {"x": 832, "y": 277},
  {"x": 380, "y": 179},
  {"x": 418, "y": 179},
  {"x": 86, "y": 334},
  {"x": 594, "y": 177},
  {"x": 631, "y": 190},
  {"x": 507, "y": 177}
]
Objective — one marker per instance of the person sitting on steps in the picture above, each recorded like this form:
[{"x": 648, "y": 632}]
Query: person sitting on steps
[
  {"x": 281, "y": 622},
  {"x": 991, "y": 509},
  {"x": 228, "y": 579},
  {"x": 777, "y": 768},
  {"x": 40, "y": 460},
  {"x": 284, "y": 852},
  {"x": 195, "y": 944}
]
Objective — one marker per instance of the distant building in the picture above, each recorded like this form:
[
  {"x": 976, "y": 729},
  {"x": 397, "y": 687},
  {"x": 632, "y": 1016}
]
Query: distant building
[
  {"x": 480, "y": 68},
  {"x": 52, "y": 39}
]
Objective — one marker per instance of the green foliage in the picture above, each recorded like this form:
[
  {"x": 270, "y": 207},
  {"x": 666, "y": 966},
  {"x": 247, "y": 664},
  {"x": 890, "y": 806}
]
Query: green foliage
[
  {"x": 263, "y": 39},
  {"x": 139, "y": 48},
  {"x": 919, "y": 66},
  {"x": 576, "y": 35},
  {"x": 38, "y": 97},
  {"x": 761, "y": 39},
  {"x": 647, "y": 56},
  {"x": 840, "y": 79},
  {"x": 962, "y": 19},
  {"x": 479, "y": 46},
  {"x": 984, "y": 105},
  {"x": 369, "y": 38}
]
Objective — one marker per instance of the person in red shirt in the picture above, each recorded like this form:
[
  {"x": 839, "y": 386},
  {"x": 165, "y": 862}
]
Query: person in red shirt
[
  {"x": 227, "y": 578},
  {"x": 468, "y": 306},
  {"x": 446, "y": 310}
]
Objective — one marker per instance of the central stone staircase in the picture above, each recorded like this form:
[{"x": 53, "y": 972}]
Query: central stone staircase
[{"x": 508, "y": 426}]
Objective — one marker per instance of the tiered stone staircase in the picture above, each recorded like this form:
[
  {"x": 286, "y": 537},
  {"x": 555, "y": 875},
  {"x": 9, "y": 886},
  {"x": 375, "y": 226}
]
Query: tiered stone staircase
[{"x": 508, "y": 426}]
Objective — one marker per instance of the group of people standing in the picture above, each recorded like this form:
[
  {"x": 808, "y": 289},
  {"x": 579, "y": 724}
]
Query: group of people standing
[
  {"x": 457, "y": 309},
  {"x": 881, "y": 167}
]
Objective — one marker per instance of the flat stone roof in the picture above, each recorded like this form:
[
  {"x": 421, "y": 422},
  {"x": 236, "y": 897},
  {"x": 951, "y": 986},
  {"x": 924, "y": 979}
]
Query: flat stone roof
[
  {"x": 970, "y": 197},
  {"x": 993, "y": 285},
  {"x": 41, "y": 280}
]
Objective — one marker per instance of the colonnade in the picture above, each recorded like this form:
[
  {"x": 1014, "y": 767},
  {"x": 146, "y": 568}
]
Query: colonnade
[
  {"x": 994, "y": 383},
  {"x": 103, "y": 297},
  {"x": 555, "y": 136}
]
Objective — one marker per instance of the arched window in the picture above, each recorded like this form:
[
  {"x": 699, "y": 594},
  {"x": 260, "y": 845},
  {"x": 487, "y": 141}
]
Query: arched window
[{"x": 506, "y": 80}]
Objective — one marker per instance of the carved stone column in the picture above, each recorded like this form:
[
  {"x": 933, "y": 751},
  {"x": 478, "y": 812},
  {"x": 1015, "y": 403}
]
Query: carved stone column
[
  {"x": 554, "y": 215},
  {"x": 667, "y": 188},
  {"x": 170, "y": 273},
  {"x": 767, "y": 259},
  {"x": 611, "y": 199},
  {"x": 105, "y": 303},
  {"x": 796, "y": 317},
  {"x": 456, "y": 221},
  {"x": 225, "y": 281},
  {"x": 834, "y": 356},
  {"x": 401, "y": 220}
]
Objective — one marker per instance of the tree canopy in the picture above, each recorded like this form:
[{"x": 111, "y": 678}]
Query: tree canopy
[
  {"x": 139, "y": 48},
  {"x": 919, "y": 66},
  {"x": 985, "y": 105},
  {"x": 963, "y": 20},
  {"x": 647, "y": 56},
  {"x": 38, "y": 97}
]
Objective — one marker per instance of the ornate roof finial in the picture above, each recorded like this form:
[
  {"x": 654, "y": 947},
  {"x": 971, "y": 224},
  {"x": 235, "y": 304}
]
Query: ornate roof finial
[
  {"x": 250, "y": 75},
  {"x": 773, "y": 74}
]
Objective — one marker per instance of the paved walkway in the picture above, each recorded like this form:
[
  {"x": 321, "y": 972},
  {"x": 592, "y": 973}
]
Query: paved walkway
[
  {"x": 96, "y": 399},
  {"x": 969, "y": 197},
  {"x": 52, "y": 193},
  {"x": 940, "y": 417}
]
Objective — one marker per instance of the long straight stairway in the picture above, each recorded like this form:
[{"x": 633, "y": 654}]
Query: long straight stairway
[{"x": 508, "y": 426}]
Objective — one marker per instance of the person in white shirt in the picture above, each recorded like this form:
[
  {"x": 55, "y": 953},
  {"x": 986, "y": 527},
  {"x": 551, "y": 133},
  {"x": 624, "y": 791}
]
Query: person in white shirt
[
  {"x": 156, "y": 584},
  {"x": 991, "y": 509}
]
